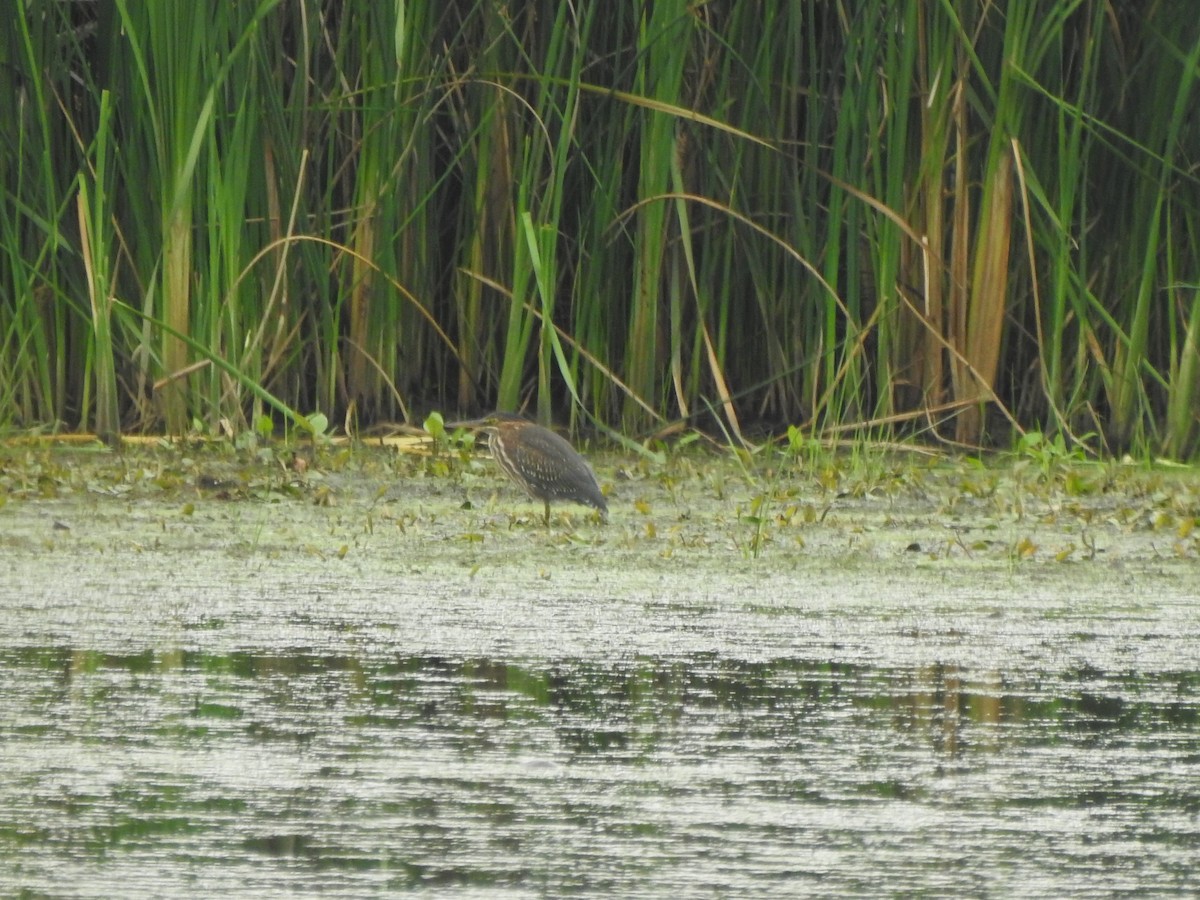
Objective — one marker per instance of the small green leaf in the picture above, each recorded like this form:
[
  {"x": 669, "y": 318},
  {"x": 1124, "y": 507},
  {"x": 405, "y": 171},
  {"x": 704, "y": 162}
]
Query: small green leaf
[{"x": 435, "y": 425}]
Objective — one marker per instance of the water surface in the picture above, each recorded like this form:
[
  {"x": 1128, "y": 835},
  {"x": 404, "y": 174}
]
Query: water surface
[{"x": 276, "y": 697}]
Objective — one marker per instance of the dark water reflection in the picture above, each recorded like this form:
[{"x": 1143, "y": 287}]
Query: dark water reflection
[{"x": 161, "y": 772}]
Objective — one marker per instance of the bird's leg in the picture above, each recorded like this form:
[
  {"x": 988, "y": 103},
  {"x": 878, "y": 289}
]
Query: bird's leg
[{"x": 547, "y": 502}]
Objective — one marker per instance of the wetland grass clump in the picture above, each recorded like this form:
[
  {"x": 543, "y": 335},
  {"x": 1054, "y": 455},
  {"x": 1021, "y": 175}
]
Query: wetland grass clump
[{"x": 919, "y": 220}]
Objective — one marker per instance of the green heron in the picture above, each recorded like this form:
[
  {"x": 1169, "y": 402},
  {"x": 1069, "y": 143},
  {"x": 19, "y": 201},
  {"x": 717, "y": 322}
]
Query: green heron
[{"x": 540, "y": 461}]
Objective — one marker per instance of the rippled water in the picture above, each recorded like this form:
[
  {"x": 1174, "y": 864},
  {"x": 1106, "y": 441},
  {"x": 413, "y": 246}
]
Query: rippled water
[{"x": 276, "y": 722}]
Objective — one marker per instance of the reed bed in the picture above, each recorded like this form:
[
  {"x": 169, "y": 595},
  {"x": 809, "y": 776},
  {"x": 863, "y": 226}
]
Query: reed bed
[{"x": 957, "y": 222}]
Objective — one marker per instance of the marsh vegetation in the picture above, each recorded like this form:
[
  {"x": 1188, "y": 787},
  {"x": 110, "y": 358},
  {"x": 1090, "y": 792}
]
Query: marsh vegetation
[{"x": 947, "y": 222}]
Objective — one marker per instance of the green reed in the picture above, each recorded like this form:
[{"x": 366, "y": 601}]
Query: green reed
[{"x": 956, "y": 221}]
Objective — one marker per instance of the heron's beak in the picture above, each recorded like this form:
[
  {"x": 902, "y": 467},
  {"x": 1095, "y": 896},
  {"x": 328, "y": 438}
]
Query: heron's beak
[{"x": 466, "y": 423}]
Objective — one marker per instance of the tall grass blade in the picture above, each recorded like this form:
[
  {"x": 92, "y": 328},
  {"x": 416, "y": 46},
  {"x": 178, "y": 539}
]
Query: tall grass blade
[{"x": 96, "y": 248}]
